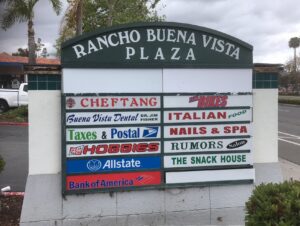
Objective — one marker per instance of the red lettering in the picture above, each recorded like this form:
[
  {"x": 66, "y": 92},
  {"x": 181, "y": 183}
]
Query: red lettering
[
  {"x": 202, "y": 130},
  {"x": 227, "y": 129},
  {"x": 82, "y": 102},
  {"x": 153, "y": 147},
  {"x": 114, "y": 148},
  {"x": 209, "y": 101},
  {"x": 126, "y": 148},
  {"x": 153, "y": 101},
  {"x": 120, "y": 148},
  {"x": 101, "y": 149},
  {"x": 143, "y": 102},
  {"x": 104, "y": 102},
  {"x": 87, "y": 149},
  {"x": 134, "y": 102},
  {"x": 114, "y": 101},
  {"x": 243, "y": 129}
]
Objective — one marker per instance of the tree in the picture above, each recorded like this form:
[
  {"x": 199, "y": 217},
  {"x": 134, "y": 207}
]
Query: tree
[
  {"x": 104, "y": 13},
  {"x": 74, "y": 13},
  {"x": 294, "y": 43},
  {"x": 21, "y": 52},
  {"x": 44, "y": 53},
  {"x": 289, "y": 66},
  {"x": 40, "y": 50},
  {"x": 23, "y": 11}
]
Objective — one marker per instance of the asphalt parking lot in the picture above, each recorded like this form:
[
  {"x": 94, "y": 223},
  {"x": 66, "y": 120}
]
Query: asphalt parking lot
[
  {"x": 14, "y": 147},
  {"x": 289, "y": 133},
  {"x": 14, "y": 150}
]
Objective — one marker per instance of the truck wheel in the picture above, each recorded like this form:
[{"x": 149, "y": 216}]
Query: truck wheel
[{"x": 3, "y": 106}]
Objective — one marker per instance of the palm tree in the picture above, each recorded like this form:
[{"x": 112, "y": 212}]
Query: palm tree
[
  {"x": 22, "y": 11},
  {"x": 74, "y": 15},
  {"x": 294, "y": 43}
]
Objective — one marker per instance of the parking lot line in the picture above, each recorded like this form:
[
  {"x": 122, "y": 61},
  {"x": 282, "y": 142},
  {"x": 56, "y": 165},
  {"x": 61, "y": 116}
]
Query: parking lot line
[
  {"x": 290, "y": 134},
  {"x": 291, "y": 142}
]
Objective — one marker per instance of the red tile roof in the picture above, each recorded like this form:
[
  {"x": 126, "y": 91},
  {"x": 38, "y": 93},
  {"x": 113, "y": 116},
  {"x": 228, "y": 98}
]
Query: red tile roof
[{"x": 6, "y": 58}]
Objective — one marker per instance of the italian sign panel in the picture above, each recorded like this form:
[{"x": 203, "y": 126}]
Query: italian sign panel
[
  {"x": 115, "y": 142},
  {"x": 207, "y": 116}
]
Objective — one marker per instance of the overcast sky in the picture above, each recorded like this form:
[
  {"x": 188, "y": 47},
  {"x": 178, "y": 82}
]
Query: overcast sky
[{"x": 266, "y": 24}]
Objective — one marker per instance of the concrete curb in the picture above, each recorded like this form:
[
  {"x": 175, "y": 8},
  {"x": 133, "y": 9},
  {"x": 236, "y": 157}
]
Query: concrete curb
[
  {"x": 13, "y": 193},
  {"x": 14, "y": 123},
  {"x": 289, "y": 170}
]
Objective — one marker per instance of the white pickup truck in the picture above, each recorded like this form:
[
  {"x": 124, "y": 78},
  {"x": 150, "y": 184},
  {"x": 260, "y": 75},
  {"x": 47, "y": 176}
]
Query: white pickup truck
[{"x": 10, "y": 98}]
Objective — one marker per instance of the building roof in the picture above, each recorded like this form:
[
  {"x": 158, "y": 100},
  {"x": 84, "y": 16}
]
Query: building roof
[{"x": 6, "y": 58}]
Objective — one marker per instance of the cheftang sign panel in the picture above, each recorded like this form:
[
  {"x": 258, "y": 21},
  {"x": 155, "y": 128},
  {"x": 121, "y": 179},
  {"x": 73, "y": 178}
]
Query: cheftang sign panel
[
  {"x": 112, "y": 102},
  {"x": 117, "y": 142}
]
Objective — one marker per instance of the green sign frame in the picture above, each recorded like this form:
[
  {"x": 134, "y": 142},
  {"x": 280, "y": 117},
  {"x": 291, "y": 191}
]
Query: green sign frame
[{"x": 156, "y": 45}]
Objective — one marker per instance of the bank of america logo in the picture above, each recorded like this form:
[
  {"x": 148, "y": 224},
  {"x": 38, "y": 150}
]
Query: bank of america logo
[
  {"x": 144, "y": 179},
  {"x": 150, "y": 132}
]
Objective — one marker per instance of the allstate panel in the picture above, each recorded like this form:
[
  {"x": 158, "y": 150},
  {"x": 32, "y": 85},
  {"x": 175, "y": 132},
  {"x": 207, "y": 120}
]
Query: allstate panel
[
  {"x": 112, "y": 80},
  {"x": 207, "y": 80}
]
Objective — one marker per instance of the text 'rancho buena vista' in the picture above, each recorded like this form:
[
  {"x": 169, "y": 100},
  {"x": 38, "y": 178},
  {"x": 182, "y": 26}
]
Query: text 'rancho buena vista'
[{"x": 160, "y": 36}]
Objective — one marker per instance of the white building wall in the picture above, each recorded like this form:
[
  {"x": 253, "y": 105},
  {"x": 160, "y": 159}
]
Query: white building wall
[
  {"x": 44, "y": 132},
  {"x": 265, "y": 125}
]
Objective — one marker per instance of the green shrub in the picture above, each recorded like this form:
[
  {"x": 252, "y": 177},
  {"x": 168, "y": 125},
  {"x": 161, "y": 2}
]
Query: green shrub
[
  {"x": 274, "y": 205},
  {"x": 289, "y": 100},
  {"x": 283, "y": 101},
  {"x": 19, "y": 114},
  {"x": 2, "y": 164}
]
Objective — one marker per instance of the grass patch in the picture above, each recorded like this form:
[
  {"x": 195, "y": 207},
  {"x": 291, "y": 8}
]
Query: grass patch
[
  {"x": 19, "y": 114},
  {"x": 289, "y": 100}
]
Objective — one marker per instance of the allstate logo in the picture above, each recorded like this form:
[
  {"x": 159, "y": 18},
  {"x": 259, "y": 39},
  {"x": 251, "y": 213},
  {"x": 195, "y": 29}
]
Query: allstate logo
[{"x": 94, "y": 165}]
